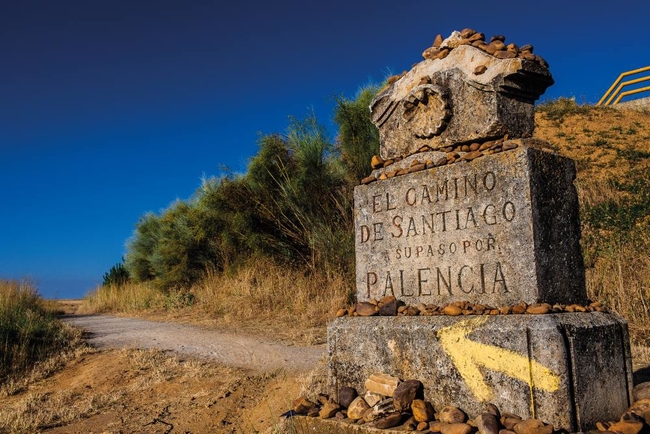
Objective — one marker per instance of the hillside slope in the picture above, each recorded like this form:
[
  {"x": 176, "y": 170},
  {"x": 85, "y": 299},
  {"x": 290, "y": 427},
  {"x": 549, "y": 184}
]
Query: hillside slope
[{"x": 611, "y": 149}]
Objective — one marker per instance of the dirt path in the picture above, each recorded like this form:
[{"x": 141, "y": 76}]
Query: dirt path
[{"x": 229, "y": 349}]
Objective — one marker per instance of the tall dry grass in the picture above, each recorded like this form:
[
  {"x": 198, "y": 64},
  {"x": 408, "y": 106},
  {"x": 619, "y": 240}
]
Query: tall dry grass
[
  {"x": 128, "y": 297},
  {"x": 618, "y": 266},
  {"x": 33, "y": 343},
  {"x": 260, "y": 292},
  {"x": 266, "y": 290}
]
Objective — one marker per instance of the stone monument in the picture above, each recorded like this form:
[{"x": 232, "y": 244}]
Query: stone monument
[{"x": 463, "y": 208}]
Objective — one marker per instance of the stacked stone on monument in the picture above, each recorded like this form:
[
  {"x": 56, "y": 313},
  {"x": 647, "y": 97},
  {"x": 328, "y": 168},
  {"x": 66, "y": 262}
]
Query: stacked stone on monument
[{"x": 464, "y": 206}]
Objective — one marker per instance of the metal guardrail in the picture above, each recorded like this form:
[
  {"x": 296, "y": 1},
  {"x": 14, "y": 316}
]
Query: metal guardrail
[{"x": 611, "y": 98}]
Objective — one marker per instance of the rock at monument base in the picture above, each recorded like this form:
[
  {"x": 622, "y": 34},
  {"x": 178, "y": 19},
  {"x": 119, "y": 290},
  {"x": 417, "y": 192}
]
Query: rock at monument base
[{"x": 569, "y": 370}]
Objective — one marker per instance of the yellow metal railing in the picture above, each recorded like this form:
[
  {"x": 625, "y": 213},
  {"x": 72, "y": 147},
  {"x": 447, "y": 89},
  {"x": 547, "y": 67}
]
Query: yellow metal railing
[{"x": 617, "y": 95}]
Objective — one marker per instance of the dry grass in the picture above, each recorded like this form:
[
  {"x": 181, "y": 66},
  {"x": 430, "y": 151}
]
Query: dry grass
[
  {"x": 40, "y": 410},
  {"x": 130, "y": 297},
  {"x": 611, "y": 148},
  {"x": 261, "y": 297},
  {"x": 32, "y": 342},
  {"x": 75, "y": 347},
  {"x": 267, "y": 291}
]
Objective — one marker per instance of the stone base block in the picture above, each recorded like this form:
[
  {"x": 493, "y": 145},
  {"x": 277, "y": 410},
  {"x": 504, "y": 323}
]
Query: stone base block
[{"x": 569, "y": 369}]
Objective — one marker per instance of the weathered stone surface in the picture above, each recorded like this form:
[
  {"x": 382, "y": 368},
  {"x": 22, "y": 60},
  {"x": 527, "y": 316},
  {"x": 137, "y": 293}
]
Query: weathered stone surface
[
  {"x": 493, "y": 410},
  {"x": 487, "y": 423},
  {"x": 538, "y": 308},
  {"x": 509, "y": 421},
  {"x": 383, "y": 408},
  {"x": 532, "y": 426},
  {"x": 313, "y": 412},
  {"x": 623, "y": 427},
  {"x": 389, "y": 421},
  {"x": 451, "y": 414},
  {"x": 372, "y": 398},
  {"x": 490, "y": 104},
  {"x": 366, "y": 309},
  {"x": 422, "y": 410},
  {"x": 329, "y": 409},
  {"x": 580, "y": 362},
  {"x": 382, "y": 384},
  {"x": 452, "y": 310},
  {"x": 499, "y": 230},
  {"x": 389, "y": 308},
  {"x": 641, "y": 391},
  {"x": 357, "y": 408},
  {"x": 346, "y": 396},
  {"x": 640, "y": 406},
  {"x": 456, "y": 428},
  {"x": 323, "y": 398},
  {"x": 302, "y": 405},
  {"x": 406, "y": 392}
]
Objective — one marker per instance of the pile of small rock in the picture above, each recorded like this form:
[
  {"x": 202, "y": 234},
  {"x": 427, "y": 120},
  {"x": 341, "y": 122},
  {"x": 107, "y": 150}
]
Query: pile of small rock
[
  {"x": 495, "y": 47},
  {"x": 391, "y": 306},
  {"x": 389, "y": 402},
  {"x": 441, "y": 157}
]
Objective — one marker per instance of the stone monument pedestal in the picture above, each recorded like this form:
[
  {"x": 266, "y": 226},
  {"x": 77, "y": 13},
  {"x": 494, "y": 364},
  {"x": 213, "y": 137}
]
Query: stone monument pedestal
[{"x": 567, "y": 369}]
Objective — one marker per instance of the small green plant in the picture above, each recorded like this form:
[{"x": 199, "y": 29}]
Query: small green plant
[
  {"x": 631, "y": 131},
  {"x": 557, "y": 110},
  {"x": 632, "y": 154}
]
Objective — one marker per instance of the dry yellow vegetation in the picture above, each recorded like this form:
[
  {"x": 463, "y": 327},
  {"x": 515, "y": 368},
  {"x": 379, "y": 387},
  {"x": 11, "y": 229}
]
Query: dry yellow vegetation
[
  {"x": 261, "y": 297},
  {"x": 611, "y": 148}
]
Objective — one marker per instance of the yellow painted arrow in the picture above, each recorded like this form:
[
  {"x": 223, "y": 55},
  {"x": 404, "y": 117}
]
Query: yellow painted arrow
[{"x": 468, "y": 356}]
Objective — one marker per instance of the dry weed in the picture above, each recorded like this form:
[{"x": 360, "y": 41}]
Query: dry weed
[
  {"x": 130, "y": 297},
  {"x": 265, "y": 290},
  {"x": 37, "y": 411},
  {"x": 260, "y": 297}
]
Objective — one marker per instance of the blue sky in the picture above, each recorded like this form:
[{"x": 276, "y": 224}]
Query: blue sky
[{"x": 110, "y": 109}]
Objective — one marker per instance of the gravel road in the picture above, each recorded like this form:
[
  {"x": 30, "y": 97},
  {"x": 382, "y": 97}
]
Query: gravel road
[{"x": 230, "y": 349}]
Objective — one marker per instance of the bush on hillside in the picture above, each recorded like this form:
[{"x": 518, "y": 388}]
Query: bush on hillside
[{"x": 293, "y": 205}]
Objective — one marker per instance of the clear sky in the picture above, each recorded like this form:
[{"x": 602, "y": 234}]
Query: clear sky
[{"x": 110, "y": 109}]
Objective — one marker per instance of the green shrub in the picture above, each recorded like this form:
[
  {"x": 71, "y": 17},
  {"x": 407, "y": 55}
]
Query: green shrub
[
  {"x": 117, "y": 275},
  {"x": 358, "y": 138},
  {"x": 28, "y": 333}
]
